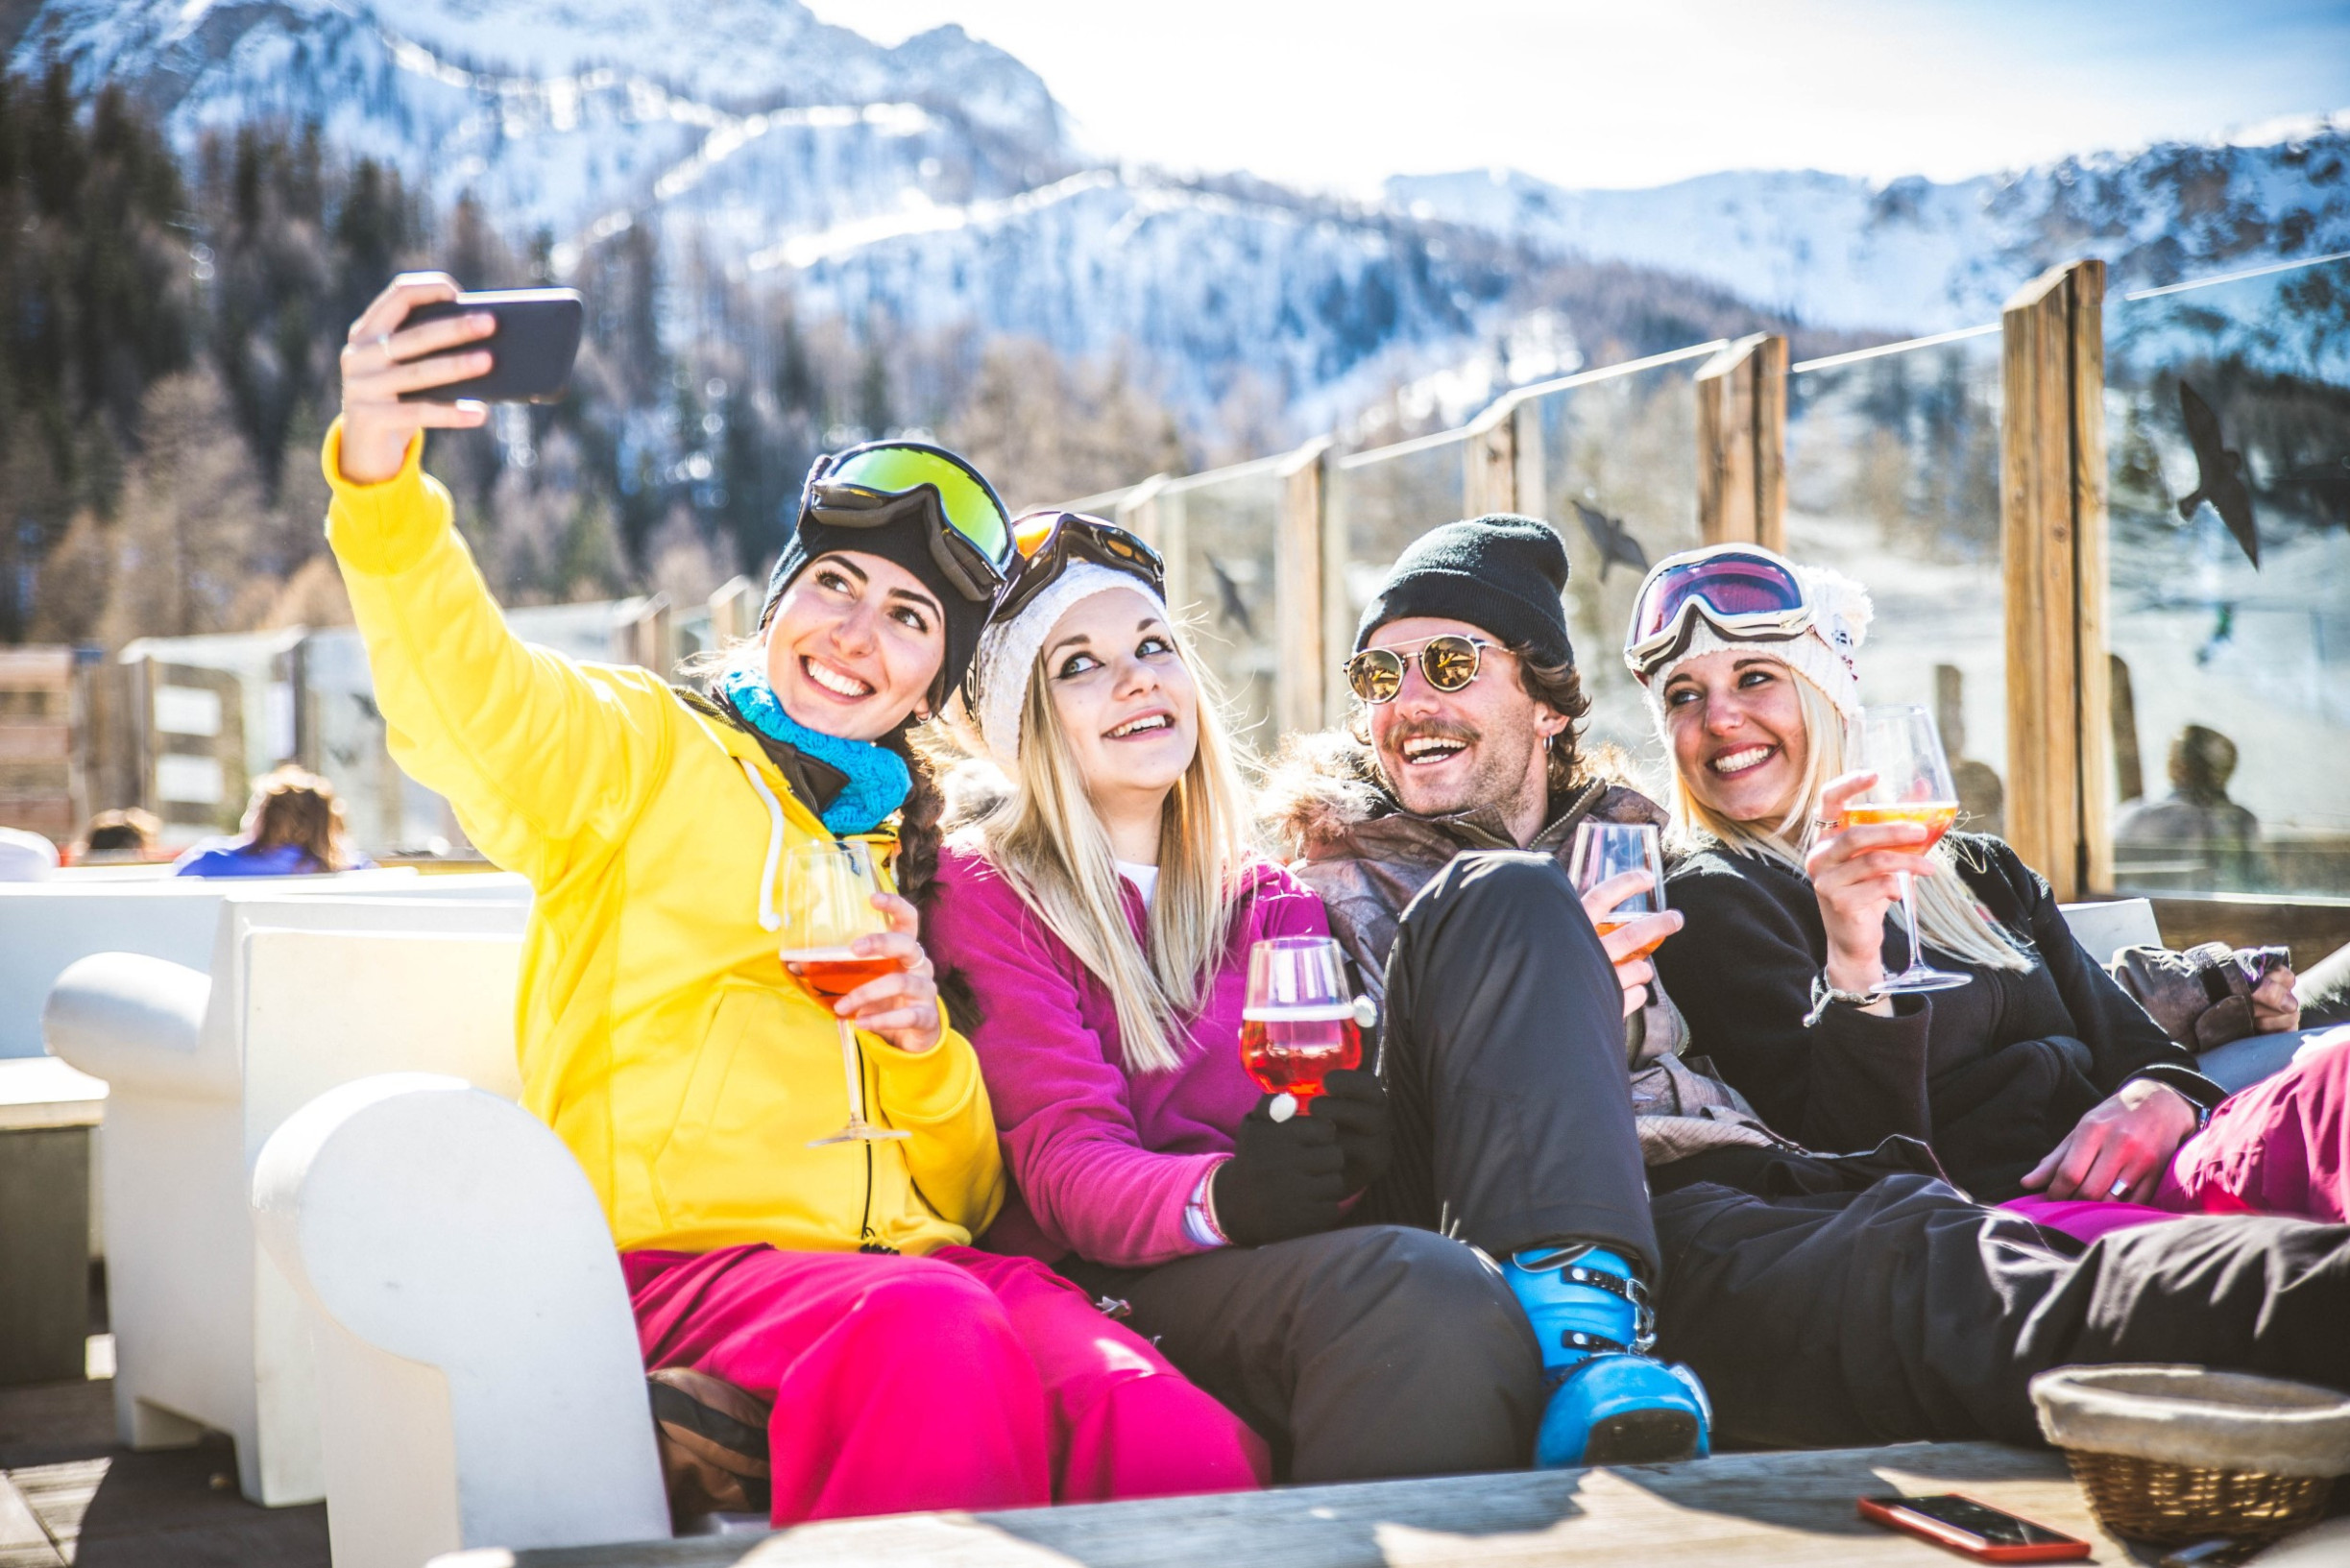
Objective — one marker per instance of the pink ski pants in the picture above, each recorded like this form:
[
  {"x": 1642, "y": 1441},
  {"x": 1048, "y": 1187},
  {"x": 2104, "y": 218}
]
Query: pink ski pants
[
  {"x": 962, "y": 1380},
  {"x": 2281, "y": 1146}
]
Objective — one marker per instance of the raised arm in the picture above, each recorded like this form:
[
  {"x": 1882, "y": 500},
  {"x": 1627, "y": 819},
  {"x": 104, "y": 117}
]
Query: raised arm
[{"x": 539, "y": 755}]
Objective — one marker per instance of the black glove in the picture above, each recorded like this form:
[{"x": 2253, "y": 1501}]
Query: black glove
[
  {"x": 1284, "y": 1178},
  {"x": 1355, "y": 1103}
]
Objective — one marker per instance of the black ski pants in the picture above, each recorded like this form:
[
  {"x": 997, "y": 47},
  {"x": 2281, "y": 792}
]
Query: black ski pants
[
  {"x": 1386, "y": 1348},
  {"x": 1905, "y": 1312}
]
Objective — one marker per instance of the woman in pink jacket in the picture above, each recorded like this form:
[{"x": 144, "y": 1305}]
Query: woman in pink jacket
[{"x": 1102, "y": 913}]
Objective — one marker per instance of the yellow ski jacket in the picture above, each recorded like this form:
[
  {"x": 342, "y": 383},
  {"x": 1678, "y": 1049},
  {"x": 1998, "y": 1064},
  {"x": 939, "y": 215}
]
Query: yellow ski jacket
[{"x": 660, "y": 1035}]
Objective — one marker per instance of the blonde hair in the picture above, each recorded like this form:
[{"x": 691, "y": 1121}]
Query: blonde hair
[
  {"x": 1048, "y": 843},
  {"x": 1949, "y": 918}
]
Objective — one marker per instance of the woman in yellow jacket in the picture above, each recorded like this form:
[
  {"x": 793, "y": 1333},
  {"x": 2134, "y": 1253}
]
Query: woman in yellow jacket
[{"x": 661, "y": 1038}]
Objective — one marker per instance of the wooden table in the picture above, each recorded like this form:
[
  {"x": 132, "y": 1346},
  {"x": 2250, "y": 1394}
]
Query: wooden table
[{"x": 1739, "y": 1510}]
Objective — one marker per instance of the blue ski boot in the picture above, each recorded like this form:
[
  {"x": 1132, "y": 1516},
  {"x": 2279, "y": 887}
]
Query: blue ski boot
[{"x": 1610, "y": 1402}]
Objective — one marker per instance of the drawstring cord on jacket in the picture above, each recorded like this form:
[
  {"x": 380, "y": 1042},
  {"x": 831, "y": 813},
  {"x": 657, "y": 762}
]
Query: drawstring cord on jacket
[{"x": 769, "y": 918}]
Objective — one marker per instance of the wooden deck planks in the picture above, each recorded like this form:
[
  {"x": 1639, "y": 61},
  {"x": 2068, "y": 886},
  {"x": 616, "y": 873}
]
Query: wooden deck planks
[{"x": 1756, "y": 1510}]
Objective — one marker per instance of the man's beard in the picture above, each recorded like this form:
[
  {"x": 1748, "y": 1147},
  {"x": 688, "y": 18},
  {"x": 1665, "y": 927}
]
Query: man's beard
[{"x": 1493, "y": 779}]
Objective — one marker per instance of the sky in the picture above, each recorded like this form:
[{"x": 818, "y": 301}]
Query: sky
[{"x": 1338, "y": 94}]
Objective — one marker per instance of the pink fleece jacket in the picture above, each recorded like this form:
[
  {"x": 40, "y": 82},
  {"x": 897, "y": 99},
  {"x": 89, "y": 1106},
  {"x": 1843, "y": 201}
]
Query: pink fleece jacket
[{"x": 1102, "y": 1160}]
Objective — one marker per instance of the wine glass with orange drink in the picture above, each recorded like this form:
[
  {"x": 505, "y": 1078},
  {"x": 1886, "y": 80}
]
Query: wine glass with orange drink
[
  {"x": 828, "y": 903},
  {"x": 1298, "y": 1023},
  {"x": 1609, "y": 849},
  {"x": 1899, "y": 743}
]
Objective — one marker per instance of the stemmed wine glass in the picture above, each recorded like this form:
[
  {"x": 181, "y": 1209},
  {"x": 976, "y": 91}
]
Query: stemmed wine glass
[
  {"x": 1609, "y": 849},
  {"x": 828, "y": 903},
  {"x": 1900, "y": 744},
  {"x": 1298, "y": 1024}
]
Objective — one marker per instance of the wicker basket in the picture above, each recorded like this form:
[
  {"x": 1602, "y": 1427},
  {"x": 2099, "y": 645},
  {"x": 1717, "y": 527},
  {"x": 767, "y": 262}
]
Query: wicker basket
[
  {"x": 2170, "y": 1453},
  {"x": 2168, "y": 1503}
]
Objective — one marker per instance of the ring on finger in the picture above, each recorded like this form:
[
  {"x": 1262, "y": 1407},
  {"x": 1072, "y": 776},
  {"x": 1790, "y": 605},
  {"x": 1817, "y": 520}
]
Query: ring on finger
[{"x": 2121, "y": 1185}]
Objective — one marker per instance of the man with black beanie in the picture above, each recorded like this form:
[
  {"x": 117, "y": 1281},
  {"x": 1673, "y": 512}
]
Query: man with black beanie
[
  {"x": 1827, "y": 1299},
  {"x": 1437, "y": 841}
]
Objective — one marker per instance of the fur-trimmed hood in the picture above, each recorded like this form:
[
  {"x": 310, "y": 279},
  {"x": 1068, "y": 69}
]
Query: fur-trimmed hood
[{"x": 1317, "y": 788}]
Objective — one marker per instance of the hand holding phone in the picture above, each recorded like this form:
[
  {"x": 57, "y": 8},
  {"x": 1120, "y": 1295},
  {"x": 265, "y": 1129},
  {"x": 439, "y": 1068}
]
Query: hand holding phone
[
  {"x": 1974, "y": 1529},
  {"x": 533, "y": 339},
  {"x": 413, "y": 354}
]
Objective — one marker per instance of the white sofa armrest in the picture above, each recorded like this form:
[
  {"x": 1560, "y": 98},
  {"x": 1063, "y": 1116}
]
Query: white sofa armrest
[
  {"x": 479, "y": 1379},
  {"x": 137, "y": 1022}
]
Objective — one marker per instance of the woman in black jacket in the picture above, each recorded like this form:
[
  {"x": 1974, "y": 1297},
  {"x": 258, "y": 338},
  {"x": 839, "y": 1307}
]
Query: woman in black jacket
[{"x": 2039, "y": 1075}]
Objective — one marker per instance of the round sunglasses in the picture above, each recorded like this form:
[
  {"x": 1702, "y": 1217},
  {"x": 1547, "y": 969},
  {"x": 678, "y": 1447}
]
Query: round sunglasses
[{"x": 1447, "y": 663}]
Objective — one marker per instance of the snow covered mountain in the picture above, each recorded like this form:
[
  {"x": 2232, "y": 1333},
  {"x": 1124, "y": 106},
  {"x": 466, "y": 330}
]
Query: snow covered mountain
[
  {"x": 936, "y": 185},
  {"x": 1913, "y": 255},
  {"x": 934, "y": 181}
]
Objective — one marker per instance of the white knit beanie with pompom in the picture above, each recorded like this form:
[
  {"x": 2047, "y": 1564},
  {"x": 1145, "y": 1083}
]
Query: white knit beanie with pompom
[{"x": 1824, "y": 653}]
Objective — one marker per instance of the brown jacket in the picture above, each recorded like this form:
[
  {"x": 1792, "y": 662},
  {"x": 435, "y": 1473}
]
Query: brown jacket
[{"x": 1351, "y": 841}]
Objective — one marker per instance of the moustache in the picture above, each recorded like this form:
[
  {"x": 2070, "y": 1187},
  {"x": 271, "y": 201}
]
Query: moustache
[{"x": 1433, "y": 728}]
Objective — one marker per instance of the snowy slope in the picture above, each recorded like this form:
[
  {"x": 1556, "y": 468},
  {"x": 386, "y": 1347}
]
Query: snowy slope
[{"x": 1919, "y": 257}]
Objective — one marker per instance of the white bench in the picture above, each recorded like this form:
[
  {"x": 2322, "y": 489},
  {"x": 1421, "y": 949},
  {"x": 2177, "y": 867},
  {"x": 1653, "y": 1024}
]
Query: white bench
[
  {"x": 45, "y": 926},
  {"x": 304, "y": 992},
  {"x": 478, "y": 1374}
]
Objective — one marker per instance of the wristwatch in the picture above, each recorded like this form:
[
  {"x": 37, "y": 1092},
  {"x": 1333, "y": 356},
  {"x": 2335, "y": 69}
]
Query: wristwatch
[{"x": 1823, "y": 993}]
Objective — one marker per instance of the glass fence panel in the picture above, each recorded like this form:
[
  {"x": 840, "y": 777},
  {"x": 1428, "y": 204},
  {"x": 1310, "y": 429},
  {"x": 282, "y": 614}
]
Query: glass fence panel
[
  {"x": 1219, "y": 530},
  {"x": 1893, "y": 479},
  {"x": 1617, "y": 460},
  {"x": 1383, "y": 500},
  {"x": 2228, "y": 444}
]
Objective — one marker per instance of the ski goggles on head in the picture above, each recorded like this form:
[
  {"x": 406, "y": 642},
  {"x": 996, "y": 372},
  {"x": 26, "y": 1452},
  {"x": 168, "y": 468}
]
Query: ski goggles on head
[
  {"x": 1745, "y": 594},
  {"x": 1048, "y": 541},
  {"x": 1447, "y": 663},
  {"x": 865, "y": 487}
]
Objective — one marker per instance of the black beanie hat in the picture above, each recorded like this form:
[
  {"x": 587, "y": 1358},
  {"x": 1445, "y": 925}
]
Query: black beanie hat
[
  {"x": 1500, "y": 572},
  {"x": 904, "y": 540}
]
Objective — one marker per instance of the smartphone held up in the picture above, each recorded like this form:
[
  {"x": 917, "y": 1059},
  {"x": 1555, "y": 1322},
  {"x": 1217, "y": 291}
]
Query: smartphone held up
[{"x": 531, "y": 349}]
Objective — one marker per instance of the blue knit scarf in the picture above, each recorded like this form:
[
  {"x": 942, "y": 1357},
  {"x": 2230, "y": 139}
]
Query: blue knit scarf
[{"x": 878, "y": 781}]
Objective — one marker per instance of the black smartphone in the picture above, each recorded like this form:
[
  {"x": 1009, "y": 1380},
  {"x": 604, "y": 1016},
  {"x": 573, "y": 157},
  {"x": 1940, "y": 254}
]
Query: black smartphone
[{"x": 531, "y": 352}]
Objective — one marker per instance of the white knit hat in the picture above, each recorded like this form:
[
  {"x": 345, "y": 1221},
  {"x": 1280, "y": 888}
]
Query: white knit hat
[
  {"x": 1822, "y": 653},
  {"x": 1007, "y": 650}
]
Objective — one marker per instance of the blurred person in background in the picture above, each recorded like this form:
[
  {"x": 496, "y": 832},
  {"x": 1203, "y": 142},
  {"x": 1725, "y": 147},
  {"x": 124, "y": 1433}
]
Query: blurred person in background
[
  {"x": 125, "y": 837},
  {"x": 294, "y": 828},
  {"x": 2197, "y": 818}
]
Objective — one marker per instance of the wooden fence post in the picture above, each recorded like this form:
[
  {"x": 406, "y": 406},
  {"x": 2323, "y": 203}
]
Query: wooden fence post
[
  {"x": 2052, "y": 540},
  {"x": 734, "y": 610},
  {"x": 1742, "y": 444},
  {"x": 1159, "y": 525},
  {"x": 1300, "y": 597},
  {"x": 1489, "y": 460}
]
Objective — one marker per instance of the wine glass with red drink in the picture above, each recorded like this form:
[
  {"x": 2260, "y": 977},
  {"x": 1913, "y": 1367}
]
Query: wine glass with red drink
[
  {"x": 1900, "y": 744},
  {"x": 1609, "y": 849},
  {"x": 1298, "y": 1024},
  {"x": 828, "y": 905}
]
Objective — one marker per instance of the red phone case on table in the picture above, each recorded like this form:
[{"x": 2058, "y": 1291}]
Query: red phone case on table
[{"x": 1966, "y": 1543}]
